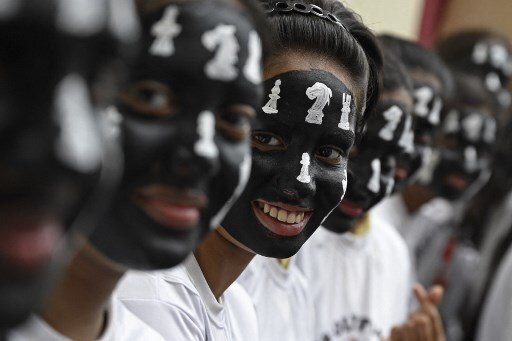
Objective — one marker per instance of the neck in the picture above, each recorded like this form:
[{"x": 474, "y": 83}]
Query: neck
[
  {"x": 415, "y": 196},
  {"x": 80, "y": 300},
  {"x": 221, "y": 261},
  {"x": 361, "y": 226}
]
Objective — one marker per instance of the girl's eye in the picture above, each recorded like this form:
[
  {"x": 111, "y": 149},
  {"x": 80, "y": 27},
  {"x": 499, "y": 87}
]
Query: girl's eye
[
  {"x": 267, "y": 141},
  {"x": 235, "y": 122},
  {"x": 149, "y": 98},
  {"x": 330, "y": 154}
]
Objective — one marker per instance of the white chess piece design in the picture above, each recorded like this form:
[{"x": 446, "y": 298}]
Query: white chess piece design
[
  {"x": 165, "y": 30},
  {"x": 345, "y": 112},
  {"x": 271, "y": 106},
  {"x": 304, "y": 171}
]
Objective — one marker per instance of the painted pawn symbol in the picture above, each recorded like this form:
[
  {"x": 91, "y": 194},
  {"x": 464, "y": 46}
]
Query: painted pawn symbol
[
  {"x": 206, "y": 146},
  {"x": 304, "y": 171},
  {"x": 345, "y": 111},
  {"x": 271, "y": 106}
]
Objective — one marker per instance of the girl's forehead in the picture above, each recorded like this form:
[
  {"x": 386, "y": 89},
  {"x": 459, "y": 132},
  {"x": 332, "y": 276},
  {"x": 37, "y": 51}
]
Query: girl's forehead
[{"x": 291, "y": 60}]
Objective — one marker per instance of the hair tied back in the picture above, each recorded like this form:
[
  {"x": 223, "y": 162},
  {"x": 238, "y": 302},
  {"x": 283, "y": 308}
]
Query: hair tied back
[{"x": 283, "y": 6}]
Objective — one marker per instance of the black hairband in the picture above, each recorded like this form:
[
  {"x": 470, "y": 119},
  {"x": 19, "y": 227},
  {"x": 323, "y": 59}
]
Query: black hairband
[{"x": 283, "y": 6}]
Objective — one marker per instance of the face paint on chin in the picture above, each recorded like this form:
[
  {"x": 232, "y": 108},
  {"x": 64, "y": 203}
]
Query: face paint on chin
[
  {"x": 185, "y": 128},
  {"x": 298, "y": 167}
]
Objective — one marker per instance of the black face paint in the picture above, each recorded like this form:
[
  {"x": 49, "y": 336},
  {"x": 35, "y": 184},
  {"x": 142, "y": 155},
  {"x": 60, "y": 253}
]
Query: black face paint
[
  {"x": 492, "y": 62},
  {"x": 464, "y": 146},
  {"x": 427, "y": 110},
  {"x": 372, "y": 164},
  {"x": 51, "y": 151},
  {"x": 299, "y": 168},
  {"x": 185, "y": 126}
]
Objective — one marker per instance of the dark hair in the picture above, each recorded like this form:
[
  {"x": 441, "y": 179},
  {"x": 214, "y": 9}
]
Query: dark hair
[
  {"x": 457, "y": 49},
  {"x": 394, "y": 73},
  {"x": 470, "y": 90},
  {"x": 354, "y": 47},
  {"x": 416, "y": 57}
]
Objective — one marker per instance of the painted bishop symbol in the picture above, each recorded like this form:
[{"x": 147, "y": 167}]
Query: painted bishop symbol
[
  {"x": 345, "y": 111},
  {"x": 304, "y": 171},
  {"x": 165, "y": 31},
  {"x": 271, "y": 106}
]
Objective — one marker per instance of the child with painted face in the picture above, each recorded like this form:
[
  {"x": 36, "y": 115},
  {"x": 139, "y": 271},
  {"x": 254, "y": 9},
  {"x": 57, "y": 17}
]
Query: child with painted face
[
  {"x": 56, "y": 172},
  {"x": 485, "y": 54},
  {"x": 317, "y": 90},
  {"x": 430, "y": 79},
  {"x": 184, "y": 124},
  {"x": 464, "y": 145},
  {"x": 361, "y": 279}
]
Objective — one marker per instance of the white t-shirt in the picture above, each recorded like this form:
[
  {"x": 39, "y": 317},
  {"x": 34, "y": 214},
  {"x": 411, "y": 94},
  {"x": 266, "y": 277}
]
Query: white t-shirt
[
  {"x": 360, "y": 284},
  {"x": 122, "y": 325},
  {"x": 282, "y": 300},
  {"x": 393, "y": 211},
  {"x": 179, "y": 304},
  {"x": 494, "y": 324}
]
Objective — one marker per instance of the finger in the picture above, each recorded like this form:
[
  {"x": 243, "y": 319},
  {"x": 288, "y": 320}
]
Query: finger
[
  {"x": 396, "y": 334},
  {"x": 421, "y": 294},
  {"x": 432, "y": 312},
  {"x": 408, "y": 331},
  {"x": 423, "y": 326},
  {"x": 435, "y": 294}
]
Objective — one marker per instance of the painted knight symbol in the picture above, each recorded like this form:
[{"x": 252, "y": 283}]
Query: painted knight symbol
[
  {"x": 271, "y": 106},
  {"x": 345, "y": 111},
  {"x": 323, "y": 95},
  {"x": 304, "y": 171}
]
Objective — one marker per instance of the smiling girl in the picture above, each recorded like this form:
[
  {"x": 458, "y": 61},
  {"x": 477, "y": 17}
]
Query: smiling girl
[{"x": 321, "y": 80}]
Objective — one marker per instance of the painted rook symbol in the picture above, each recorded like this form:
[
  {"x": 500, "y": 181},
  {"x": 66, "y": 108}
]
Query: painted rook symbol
[
  {"x": 165, "y": 31},
  {"x": 304, "y": 171},
  {"x": 271, "y": 106},
  {"x": 345, "y": 111}
]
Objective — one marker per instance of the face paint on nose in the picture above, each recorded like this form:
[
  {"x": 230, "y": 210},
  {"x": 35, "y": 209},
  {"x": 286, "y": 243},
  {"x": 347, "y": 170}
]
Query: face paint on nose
[
  {"x": 374, "y": 183},
  {"x": 304, "y": 176},
  {"x": 206, "y": 146},
  {"x": 78, "y": 145},
  {"x": 470, "y": 159}
]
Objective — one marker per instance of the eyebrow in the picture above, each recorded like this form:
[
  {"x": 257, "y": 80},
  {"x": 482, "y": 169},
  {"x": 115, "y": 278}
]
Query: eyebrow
[{"x": 345, "y": 138}]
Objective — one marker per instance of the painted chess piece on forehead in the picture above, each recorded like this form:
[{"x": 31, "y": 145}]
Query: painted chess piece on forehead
[
  {"x": 271, "y": 106},
  {"x": 165, "y": 31},
  {"x": 345, "y": 112},
  {"x": 322, "y": 93}
]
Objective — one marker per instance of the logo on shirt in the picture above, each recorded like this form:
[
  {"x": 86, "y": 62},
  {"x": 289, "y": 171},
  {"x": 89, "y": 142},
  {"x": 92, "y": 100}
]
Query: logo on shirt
[{"x": 353, "y": 328}]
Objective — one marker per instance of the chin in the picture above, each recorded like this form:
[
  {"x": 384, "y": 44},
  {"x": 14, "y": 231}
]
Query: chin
[
  {"x": 20, "y": 296},
  {"x": 338, "y": 222},
  {"x": 135, "y": 241}
]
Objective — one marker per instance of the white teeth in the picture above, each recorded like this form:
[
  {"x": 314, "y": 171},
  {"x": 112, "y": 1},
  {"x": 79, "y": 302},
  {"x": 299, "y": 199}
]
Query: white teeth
[
  {"x": 281, "y": 214},
  {"x": 291, "y": 218},
  {"x": 299, "y": 218}
]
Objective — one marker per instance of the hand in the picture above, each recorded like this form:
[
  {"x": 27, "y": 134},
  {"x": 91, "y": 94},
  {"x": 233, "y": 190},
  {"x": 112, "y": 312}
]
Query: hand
[{"x": 425, "y": 323}]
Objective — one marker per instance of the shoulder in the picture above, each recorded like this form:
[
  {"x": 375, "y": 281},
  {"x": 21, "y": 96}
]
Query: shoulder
[{"x": 385, "y": 238}]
